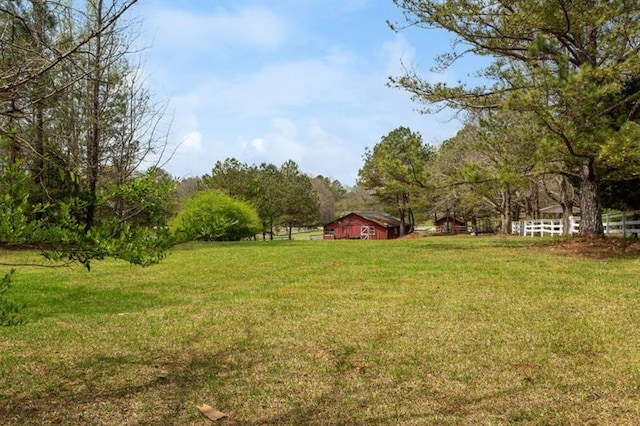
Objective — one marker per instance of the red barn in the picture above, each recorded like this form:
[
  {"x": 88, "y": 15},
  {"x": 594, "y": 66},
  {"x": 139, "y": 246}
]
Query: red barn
[
  {"x": 450, "y": 224},
  {"x": 364, "y": 225}
]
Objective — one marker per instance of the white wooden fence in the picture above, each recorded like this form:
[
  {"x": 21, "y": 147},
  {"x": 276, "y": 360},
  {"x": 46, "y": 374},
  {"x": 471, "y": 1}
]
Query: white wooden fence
[
  {"x": 623, "y": 224},
  {"x": 540, "y": 227}
]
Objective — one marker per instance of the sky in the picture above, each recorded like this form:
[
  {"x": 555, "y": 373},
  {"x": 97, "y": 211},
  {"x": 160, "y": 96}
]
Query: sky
[{"x": 270, "y": 81}]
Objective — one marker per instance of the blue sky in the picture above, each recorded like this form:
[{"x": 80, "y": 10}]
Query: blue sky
[{"x": 268, "y": 81}]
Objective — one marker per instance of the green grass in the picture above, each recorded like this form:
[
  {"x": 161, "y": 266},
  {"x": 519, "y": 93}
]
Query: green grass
[{"x": 439, "y": 330}]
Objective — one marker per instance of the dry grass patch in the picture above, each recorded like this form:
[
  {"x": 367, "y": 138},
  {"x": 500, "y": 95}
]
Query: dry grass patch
[{"x": 598, "y": 248}]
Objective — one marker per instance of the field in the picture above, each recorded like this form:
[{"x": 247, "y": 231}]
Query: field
[{"x": 435, "y": 330}]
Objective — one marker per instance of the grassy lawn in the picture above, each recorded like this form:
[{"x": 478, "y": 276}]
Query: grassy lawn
[{"x": 437, "y": 330}]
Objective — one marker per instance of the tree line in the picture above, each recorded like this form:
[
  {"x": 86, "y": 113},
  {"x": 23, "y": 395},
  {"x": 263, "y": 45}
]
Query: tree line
[
  {"x": 554, "y": 116},
  {"x": 77, "y": 129},
  {"x": 81, "y": 146},
  {"x": 562, "y": 88},
  {"x": 499, "y": 165},
  {"x": 283, "y": 197},
  {"x": 553, "y": 119}
]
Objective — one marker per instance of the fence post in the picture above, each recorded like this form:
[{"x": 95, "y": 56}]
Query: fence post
[
  {"x": 571, "y": 225},
  {"x": 624, "y": 225}
]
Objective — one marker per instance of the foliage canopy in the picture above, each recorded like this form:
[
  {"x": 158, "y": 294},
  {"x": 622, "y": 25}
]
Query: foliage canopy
[
  {"x": 212, "y": 215},
  {"x": 574, "y": 64},
  {"x": 397, "y": 171}
]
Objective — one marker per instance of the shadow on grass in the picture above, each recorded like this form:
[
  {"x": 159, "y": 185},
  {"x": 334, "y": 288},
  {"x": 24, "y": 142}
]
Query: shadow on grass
[
  {"x": 85, "y": 300},
  {"x": 163, "y": 387},
  {"x": 103, "y": 390},
  {"x": 329, "y": 408}
]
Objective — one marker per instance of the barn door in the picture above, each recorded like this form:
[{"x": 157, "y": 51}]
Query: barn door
[{"x": 367, "y": 232}]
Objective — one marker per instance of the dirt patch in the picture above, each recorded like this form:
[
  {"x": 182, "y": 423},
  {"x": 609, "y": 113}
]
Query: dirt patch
[
  {"x": 597, "y": 247},
  {"x": 422, "y": 234},
  {"x": 414, "y": 235}
]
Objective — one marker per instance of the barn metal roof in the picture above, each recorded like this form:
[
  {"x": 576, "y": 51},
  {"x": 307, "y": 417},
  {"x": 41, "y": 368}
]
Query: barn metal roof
[
  {"x": 381, "y": 219},
  {"x": 557, "y": 209}
]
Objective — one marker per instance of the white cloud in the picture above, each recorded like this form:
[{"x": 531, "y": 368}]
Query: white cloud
[
  {"x": 275, "y": 88},
  {"x": 244, "y": 85},
  {"x": 192, "y": 140},
  {"x": 281, "y": 141},
  {"x": 258, "y": 145},
  {"x": 309, "y": 143},
  {"x": 397, "y": 54},
  {"x": 320, "y": 112},
  {"x": 329, "y": 154},
  {"x": 243, "y": 26}
]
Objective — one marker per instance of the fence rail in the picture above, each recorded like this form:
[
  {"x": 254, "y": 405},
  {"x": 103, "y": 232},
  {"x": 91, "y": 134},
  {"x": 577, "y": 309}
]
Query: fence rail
[
  {"x": 624, "y": 224},
  {"x": 542, "y": 227},
  {"x": 450, "y": 229}
]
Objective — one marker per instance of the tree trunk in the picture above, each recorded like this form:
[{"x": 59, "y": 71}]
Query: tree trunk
[
  {"x": 590, "y": 207},
  {"x": 39, "y": 149},
  {"x": 39, "y": 10},
  {"x": 401, "y": 215},
  {"x": 566, "y": 202},
  {"x": 402, "y": 212},
  {"x": 567, "y": 214},
  {"x": 535, "y": 200},
  {"x": 14, "y": 153},
  {"x": 95, "y": 134},
  {"x": 412, "y": 221},
  {"x": 505, "y": 212}
]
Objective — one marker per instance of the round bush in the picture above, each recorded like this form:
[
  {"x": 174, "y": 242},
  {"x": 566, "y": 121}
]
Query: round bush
[{"x": 215, "y": 216}]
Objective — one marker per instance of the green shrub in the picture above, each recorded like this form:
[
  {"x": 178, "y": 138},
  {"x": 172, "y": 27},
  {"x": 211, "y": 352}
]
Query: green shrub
[
  {"x": 16, "y": 212},
  {"x": 214, "y": 216},
  {"x": 9, "y": 310}
]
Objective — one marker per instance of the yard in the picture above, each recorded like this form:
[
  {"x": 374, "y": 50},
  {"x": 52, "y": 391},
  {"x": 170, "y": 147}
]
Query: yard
[{"x": 434, "y": 330}]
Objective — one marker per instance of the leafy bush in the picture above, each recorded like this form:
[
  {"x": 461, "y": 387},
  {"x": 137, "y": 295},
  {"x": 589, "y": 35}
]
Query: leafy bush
[
  {"x": 131, "y": 227},
  {"x": 215, "y": 216},
  {"x": 9, "y": 311},
  {"x": 16, "y": 213},
  {"x": 145, "y": 200}
]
